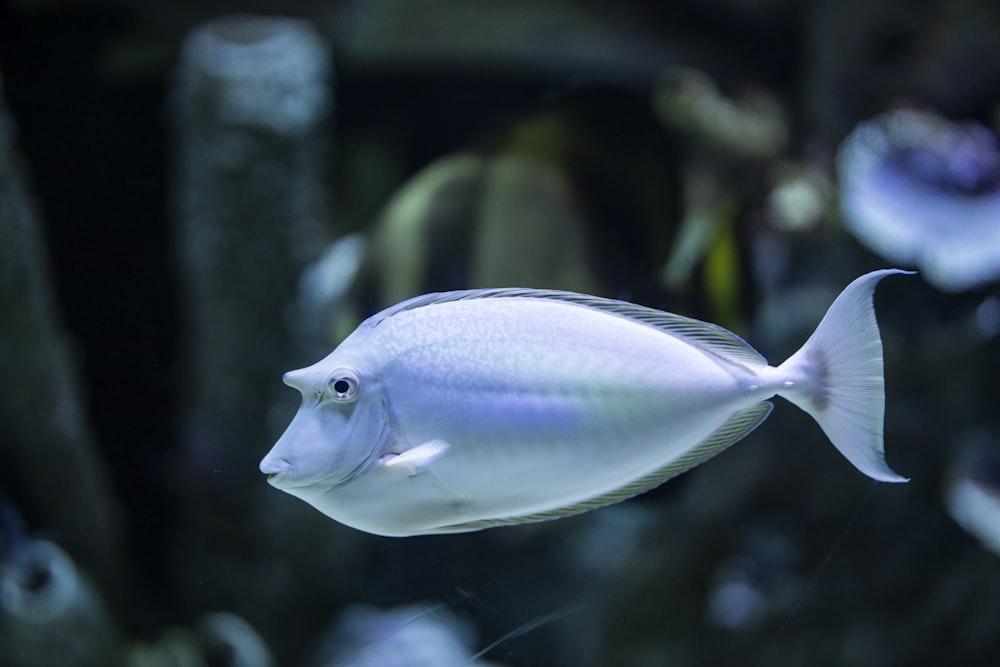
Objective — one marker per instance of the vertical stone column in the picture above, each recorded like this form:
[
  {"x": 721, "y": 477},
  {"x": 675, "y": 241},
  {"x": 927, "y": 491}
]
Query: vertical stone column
[
  {"x": 249, "y": 114},
  {"x": 48, "y": 455}
]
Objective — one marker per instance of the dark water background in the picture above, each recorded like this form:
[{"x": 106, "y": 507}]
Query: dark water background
[{"x": 775, "y": 553}]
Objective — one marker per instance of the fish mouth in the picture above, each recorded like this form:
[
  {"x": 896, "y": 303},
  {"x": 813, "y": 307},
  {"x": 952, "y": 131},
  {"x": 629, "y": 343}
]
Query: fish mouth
[
  {"x": 274, "y": 469},
  {"x": 283, "y": 481}
]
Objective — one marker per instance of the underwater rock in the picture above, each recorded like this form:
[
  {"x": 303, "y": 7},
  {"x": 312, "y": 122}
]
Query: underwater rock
[
  {"x": 48, "y": 456},
  {"x": 972, "y": 490},
  {"x": 986, "y": 319},
  {"x": 250, "y": 116},
  {"x": 50, "y": 613},
  {"x": 410, "y": 636},
  {"x": 229, "y": 640},
  {"x": 757, "y": 581},
  {"x": 220, "y": 639},
  {"x": 249, "y": 112},
  {"x": 919, "y": 189},
  {"x": 532, "y": 38}
]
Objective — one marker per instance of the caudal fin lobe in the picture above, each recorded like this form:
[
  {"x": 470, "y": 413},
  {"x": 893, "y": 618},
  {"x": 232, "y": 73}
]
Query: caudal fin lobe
[{"x": 837, "y": 377}]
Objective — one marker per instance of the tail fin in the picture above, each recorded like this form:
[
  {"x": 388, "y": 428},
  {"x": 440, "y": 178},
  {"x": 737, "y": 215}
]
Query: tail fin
[{"x": 837, "y": 378}]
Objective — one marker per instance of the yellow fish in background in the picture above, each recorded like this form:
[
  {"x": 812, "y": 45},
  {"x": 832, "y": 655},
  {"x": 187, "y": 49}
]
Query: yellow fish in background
[{"x": 463, "y": 410}]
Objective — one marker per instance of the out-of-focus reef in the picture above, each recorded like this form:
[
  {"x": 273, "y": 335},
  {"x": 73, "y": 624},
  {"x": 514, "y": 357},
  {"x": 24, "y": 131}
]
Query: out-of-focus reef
[
  {"x": 46, "y": 434},
  {"x": 194, "y": 202},
  {"x": 919, "y": 189}
]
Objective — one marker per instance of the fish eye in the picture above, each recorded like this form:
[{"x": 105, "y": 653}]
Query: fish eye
[{"x": 343, "y": 384}]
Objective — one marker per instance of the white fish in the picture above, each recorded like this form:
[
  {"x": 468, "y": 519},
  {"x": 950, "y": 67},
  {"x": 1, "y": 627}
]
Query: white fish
[{"x": 462, "y": 410}]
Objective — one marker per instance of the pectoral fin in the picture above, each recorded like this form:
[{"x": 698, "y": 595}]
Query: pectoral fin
[{"x": 416, "y": 459}]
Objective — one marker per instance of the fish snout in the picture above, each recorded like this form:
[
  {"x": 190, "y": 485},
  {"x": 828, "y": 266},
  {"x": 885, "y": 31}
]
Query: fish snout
[
  {"x": 274, "y": 467},
  {"x": 297, "y": 379}
]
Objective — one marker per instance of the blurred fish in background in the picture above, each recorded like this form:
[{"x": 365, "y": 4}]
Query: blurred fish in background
[{"x": 526, "y": 204}]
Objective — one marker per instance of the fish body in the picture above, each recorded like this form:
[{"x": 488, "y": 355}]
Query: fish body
[{"x": 464, "y": 410}]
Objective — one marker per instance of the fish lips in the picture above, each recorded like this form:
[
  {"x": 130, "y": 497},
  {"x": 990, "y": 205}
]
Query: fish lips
[
  {"x": 282, "y": 479},
  {"x": 276, "y": 469},
  {"x": 280, "y": 473}
]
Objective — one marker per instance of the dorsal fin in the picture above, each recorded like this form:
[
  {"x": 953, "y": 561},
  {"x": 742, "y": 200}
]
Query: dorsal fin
[{"x": 709, "y": 337}]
